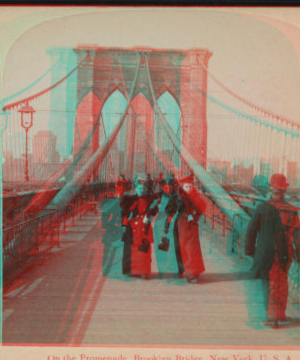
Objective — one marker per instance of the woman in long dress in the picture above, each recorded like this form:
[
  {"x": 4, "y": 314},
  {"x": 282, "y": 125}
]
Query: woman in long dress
[
  {"x": 165, "y": 251},
  {"x": 190, "y": 206},
  {"x": 138, "y": 235}
]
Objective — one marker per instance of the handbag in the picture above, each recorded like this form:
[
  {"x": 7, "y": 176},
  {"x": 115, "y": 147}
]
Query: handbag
[
  {"x": 164, "y": 245},
  {"x": 145, "y": 246}
]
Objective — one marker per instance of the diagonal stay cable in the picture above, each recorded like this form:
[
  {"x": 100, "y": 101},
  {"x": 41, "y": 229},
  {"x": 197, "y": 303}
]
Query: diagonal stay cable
[
  {"x": 223, "y": 200},
  {"x": 42, "y": 198},
  {"x": 159, "y": 154},
  {"x": 66, "y": 195}
]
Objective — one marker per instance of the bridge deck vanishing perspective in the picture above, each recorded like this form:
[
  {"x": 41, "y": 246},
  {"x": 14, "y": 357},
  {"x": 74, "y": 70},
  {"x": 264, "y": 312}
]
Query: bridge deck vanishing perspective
[{"x": 63, "y": 298}]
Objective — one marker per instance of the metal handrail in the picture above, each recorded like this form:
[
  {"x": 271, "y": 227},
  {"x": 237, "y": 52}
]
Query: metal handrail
[
  {"x": 41, "y": 232},
  {"x": 21, "y": 238}
]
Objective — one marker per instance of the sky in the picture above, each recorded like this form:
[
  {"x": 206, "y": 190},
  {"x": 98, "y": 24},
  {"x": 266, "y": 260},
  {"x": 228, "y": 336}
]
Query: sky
[
  {"x": 250, "y": 56},
  {"x": 255, "y": 55}
]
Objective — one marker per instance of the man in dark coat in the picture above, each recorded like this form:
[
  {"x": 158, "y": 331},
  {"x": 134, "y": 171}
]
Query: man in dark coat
[
  {"x": 272, "y": 239},
  {"x": 113, "y": 212}
]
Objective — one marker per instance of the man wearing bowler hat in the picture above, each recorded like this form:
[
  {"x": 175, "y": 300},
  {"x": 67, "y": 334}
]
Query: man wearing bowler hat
[{"x": 272, "y": 239}]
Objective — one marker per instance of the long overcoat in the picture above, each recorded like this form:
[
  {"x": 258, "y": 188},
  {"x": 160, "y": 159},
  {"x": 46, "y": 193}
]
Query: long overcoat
[
  {"x": 166, "y": 260},
  {"x": 112, "y": 226},
  {"x": 272, "y": 239},
  {"x": 135, "y": 260},
  {"x": 186, "y": 233},
  {"x": 268, "y": 235}
]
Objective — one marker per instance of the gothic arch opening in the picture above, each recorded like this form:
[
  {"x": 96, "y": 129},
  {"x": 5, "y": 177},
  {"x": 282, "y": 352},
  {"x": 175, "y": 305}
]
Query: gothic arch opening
[
  {"x": 172, "y": 114},
  {"x": 113, "y": 110},
  {"x": 143, "y": 114}
]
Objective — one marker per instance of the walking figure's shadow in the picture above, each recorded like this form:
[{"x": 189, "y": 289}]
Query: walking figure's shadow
[
  {"x": 287, "y": 324},
  {"x": 209, "y": 278}
]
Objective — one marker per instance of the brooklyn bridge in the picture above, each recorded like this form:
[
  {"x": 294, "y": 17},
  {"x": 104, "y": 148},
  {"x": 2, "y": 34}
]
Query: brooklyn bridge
[{"x": 117, "y": 118}]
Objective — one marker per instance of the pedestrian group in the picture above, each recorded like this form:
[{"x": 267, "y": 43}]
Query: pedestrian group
[{"x": 166, "y": 214}]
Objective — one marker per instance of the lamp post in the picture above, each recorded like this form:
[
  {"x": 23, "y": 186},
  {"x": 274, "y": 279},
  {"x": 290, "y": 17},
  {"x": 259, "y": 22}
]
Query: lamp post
[{"x": 26, "y": 123}]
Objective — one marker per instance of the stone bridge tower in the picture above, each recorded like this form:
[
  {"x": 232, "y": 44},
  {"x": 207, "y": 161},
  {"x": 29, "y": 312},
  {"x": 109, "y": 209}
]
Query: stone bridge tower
[{"x": 104, "y": 70}]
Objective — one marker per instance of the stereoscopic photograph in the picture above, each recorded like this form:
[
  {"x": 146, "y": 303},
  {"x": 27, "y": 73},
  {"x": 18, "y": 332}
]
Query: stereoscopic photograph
[{"x": 150, "y": 167}]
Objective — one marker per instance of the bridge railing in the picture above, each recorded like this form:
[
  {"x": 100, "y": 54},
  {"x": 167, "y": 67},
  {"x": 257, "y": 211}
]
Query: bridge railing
[
  {"x": 36, "y": 232},
  {"x": 21, "y": 239}
]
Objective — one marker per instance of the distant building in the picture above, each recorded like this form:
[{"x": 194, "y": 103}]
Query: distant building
[
  {"x": 275, "y": 165},
  {"x": 14, "y": 169},
  {"x": 44, "y": 147},
  {"x": 240, "y": 174},
  {"x": 243, "y": 175},
  {"x": 265, "y": 169},
  {"x": 45, "y": 156},
  {"x": 292, "y": 173},
  {"x": 15, "y": 144},
  {"x": 219, "y": 170},
  {"x": 217, "y": 177}
]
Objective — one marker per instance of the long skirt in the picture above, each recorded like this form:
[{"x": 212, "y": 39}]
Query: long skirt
[
  {"x": 278, "y": 291},
  {"x": 112, "y": 252},
  {"x": 166, "y": 260},
  {"x": 135, "y": 261},
  {"x": 189, "y": 243}
]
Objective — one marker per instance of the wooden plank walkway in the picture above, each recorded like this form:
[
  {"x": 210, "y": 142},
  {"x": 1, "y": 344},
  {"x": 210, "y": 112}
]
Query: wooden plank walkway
[{"x": 63, "y": 298}]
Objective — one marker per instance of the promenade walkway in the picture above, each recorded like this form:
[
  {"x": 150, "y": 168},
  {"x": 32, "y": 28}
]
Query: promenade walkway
[{"x": 63, "y": 298}]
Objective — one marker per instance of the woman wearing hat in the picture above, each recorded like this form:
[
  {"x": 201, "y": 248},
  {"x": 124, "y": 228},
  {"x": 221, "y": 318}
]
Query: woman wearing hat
[
  {"x": 138, "y": 234},
  {"x": 272, "y": 239},
  {"x": 165, "y": 252},
  {"x": 190, "y": 206}
]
